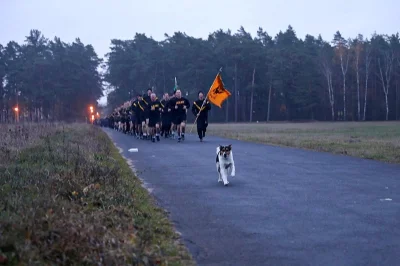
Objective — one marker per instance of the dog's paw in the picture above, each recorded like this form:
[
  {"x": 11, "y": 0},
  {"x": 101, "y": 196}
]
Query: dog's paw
[
  {"x": 219, "y": 180},
  {"x": 233, "y": 174},
  {"x": 226, "y": 184}
]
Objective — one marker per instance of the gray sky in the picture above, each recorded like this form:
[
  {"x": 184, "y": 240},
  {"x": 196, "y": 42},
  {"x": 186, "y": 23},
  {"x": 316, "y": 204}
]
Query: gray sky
[{"x": 96, "y": 22}]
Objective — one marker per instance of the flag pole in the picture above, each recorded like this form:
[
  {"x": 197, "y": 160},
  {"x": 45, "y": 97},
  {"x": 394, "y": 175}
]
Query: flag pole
[{"x": 205, "y": 99}]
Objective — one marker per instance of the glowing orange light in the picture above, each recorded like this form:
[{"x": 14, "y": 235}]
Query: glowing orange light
[
  {"x": 92, "y": 117},
  {"x": 16, "y": 109}
]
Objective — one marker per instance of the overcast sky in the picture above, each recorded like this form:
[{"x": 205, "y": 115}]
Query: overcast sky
[{"x": 97, "y": 21}]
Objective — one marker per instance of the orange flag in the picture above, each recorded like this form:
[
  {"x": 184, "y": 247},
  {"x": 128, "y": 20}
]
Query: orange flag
[{"x": 218, "y": 94}]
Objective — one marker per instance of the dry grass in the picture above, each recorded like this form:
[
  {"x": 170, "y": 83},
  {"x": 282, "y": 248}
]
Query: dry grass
[
  {"x": 69, "y": 198},
  {"x": 372, "y": 140}
]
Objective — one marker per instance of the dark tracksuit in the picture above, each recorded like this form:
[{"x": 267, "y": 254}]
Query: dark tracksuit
[
  {"x": 144, "y": 109},
  {"x": 132, "y": 110},
  {"x": 178, "y": 115},
  {"x": 202, "y": 120},
  {"x": 124, "y": 120},
  {"x": 165, "y": 118},
  {"x": 117, "y": 120},
  {"x": 154, "y": 115},
  {"x": 111, "y": 121},
  {"x": 145, "y": 104},
  {"x": 140, "y": 110}
]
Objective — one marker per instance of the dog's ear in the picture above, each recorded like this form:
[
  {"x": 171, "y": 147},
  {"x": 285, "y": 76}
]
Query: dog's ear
[{"x": 230, "y": 146}]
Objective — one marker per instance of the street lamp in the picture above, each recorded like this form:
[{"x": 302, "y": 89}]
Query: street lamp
[{"x": 16, "y": 109}]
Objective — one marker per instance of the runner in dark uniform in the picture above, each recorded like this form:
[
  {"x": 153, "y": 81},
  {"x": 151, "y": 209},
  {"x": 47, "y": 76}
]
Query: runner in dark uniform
[
  {"x": 154, "y": 117},
  {"x": 172, "y": 114},
  {"x": 145, "y": 122},
  {"x": 180, "y": 105},
  {"x": 201, "y": 112},
  {"x": 165, "y": 116},
  {"x": 141, "y": 109},
  {"x": 133, "y": 114}
]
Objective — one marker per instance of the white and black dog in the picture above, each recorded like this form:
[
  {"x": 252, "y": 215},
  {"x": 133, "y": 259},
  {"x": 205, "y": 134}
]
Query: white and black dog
[{"x": 225, "y": 164}]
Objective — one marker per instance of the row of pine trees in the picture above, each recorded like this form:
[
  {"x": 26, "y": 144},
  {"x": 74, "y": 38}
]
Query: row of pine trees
[{"x": 271, "y": 78}]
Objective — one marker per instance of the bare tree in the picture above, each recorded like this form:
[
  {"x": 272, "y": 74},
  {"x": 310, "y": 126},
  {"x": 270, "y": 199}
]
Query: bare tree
[
  {"x": 326, "y": 68},
  {"x": 236, "y": 94},
  {"x": 328, "y": 75},
  {"x": 269, "y": 100},
  {"x": 343, "y": 53},
  {"x": 367, "y": 64},
  {"x": 385, "y": 75},
  {"x": 344, "y": 67},
  {"x": 252, "y": 95},
  {"x": 397, "y": 92},
  {"x": 357, "y": 52}
]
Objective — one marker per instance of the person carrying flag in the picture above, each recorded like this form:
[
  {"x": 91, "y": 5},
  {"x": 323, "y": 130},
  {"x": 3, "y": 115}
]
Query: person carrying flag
[
  {"x": 216, "y": 95},
  {"x": 200, "y": 110}
]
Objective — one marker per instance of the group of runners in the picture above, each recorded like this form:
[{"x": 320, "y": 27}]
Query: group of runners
[{"x": 149, "y": 118}]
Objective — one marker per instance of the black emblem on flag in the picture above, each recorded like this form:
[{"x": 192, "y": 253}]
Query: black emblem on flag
[{"x": 218, "y": 90}]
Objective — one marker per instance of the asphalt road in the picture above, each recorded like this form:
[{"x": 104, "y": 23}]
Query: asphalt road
[{"x": 284, "y": 207}]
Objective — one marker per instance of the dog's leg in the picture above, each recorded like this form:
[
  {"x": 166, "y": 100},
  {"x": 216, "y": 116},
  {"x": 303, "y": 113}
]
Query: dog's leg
[
  {"x": 225, "y": 176},
  {"x": 219, "y": 172},
  {"x": 229, "y": 171},
  {"x": 217, "y": 164},
  {"x": 233, "y": 170}
]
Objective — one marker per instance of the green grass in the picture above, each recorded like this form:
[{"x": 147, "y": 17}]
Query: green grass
[
  {"x": 371, "y": 140},
  {"x": 69, "y": 198}
]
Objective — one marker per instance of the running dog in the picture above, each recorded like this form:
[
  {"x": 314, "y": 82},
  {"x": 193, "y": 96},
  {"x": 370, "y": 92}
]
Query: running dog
[{"x": 225, "y": 163}]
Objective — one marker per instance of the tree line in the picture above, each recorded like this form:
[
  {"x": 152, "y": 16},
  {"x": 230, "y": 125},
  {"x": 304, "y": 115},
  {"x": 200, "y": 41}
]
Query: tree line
[
  {"x": 48, "y": 79},
  {"x": 270, "y": 78}
]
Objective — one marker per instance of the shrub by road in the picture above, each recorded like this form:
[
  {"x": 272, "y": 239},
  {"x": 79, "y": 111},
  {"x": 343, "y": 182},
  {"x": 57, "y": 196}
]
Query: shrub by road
[{"x": 68, "y": 197}]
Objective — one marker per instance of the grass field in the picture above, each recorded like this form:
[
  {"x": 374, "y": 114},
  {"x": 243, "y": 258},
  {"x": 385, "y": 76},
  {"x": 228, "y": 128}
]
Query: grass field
[
  {"x": 371, "y": 140},
  {"x": 69, "y": 198}
]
